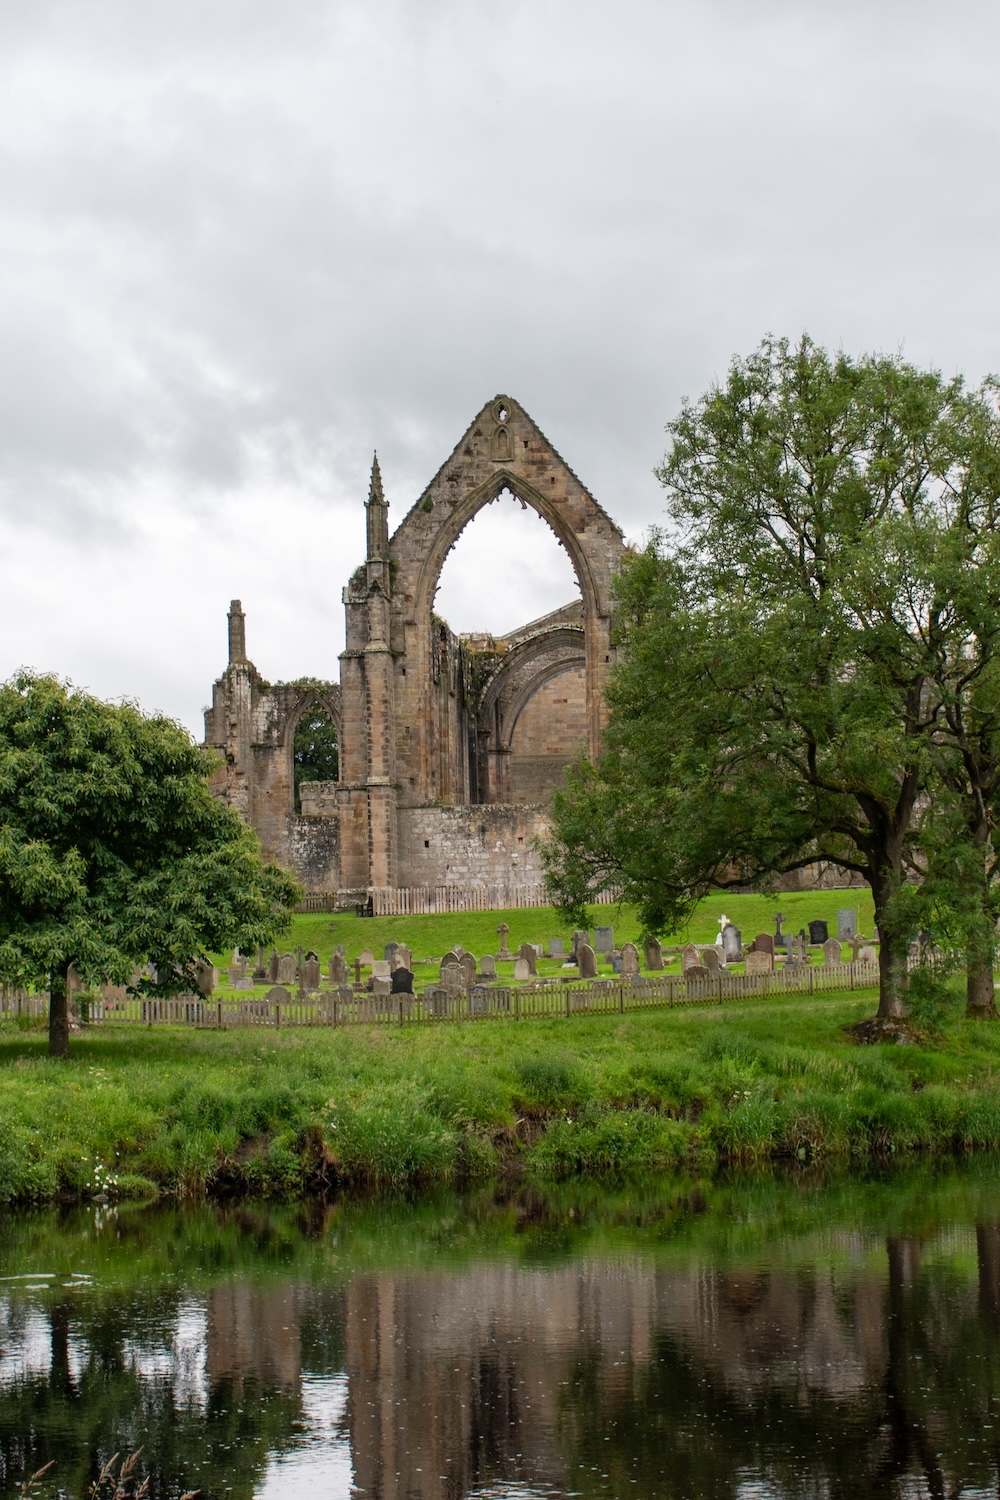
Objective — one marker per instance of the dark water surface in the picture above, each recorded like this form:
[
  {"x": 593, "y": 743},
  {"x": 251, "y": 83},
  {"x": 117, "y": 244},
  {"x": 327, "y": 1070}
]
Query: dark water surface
[{"x": 770, "y": 1337}]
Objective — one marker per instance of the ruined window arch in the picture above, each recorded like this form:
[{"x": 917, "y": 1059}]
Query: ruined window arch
[{"x": 315, "y": 747}]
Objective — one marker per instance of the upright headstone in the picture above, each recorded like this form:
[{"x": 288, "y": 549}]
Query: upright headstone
[
  {"x": 710, "y": 960},
  {"x": 389, "y": 953},
  {"x": 246, "y": 983},
  {"x": 586, "y": 961},
  {"x": 338, "y": 968},
  {"x": 237, "y": 971},
  {"x": 204, "y": 977},
  {"x": 689, "y": 956},
  {"x": 451, "y": 957},
  {"x": 298, "y": 962},
  {"x": 629, "y": 960},
  {"x": 556, "y": 947},
  {"x": 502, "y": 932},
  {"x": 402, "y": 982},
  {"x": 277, "y": 994},
  {"x": 381, "y": 985},
  {"x": 522, "y": 969},
  {"x": 404, "y": 958},
  {"x": 453, "y": 978},
  {"x": 468, "y": 962},
  {"x": 366, "y": 957},
  {"x": 759, "y": 962},
  {"x": 832, "y": 951},
  {"x": 488, "y": 966},
  {"x": 732, "y": 943},
  {"x": 764, "y": 943},
  {"x": 530, "y": 957},
  {"x": 260, "y": 966},
  {"x": 357, "y": 971},
  {"x": 311, "y": 973},
  {"x": 847, "y": 923},
  {"x": 380, "y": 968},
  {"x": 579, "y": 937},
  {"x": 697, "y": 971},
  {"x": 652, "y": 953},
  {"x": 272, "y": 966},
  {"x": 867, "y": 955},
  {"x": 286, "y": 968},
  {"x": 604, "y": 939},
  {"x": 780, "y": 940},
  {"x": 818, "y": 934}
]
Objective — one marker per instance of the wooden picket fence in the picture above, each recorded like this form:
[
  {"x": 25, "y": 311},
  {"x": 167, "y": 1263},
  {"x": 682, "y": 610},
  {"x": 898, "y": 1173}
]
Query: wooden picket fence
[
  {"x": 427, "y": 900},
  {"x": 545, "y": 998}
]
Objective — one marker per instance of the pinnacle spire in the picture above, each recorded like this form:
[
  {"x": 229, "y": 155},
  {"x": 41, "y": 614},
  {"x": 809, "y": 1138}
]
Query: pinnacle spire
[
  {"x": 378, "y": 517},
  {"x": 375, "y": 496}
]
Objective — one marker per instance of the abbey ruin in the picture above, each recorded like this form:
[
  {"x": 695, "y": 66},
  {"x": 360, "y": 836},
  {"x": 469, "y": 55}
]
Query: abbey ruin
[{"x": 449, "y": 746}]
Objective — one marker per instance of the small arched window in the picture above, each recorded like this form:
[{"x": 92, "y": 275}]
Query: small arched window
[{"x": 315, "y": 752}]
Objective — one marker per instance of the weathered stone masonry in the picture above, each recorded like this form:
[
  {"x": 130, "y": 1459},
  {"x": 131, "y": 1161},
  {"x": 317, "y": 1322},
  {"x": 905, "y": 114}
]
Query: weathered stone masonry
[{"x": 449, "y": 747}]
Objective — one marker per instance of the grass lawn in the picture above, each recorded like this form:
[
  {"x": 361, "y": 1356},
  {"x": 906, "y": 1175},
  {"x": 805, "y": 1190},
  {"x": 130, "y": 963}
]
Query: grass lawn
[
  {"x": 431, "y": 937},
  {"x": 190, "y": 1112}
]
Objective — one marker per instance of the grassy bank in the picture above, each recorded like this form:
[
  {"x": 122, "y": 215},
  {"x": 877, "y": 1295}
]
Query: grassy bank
[{"x": 279, "y": 1113}]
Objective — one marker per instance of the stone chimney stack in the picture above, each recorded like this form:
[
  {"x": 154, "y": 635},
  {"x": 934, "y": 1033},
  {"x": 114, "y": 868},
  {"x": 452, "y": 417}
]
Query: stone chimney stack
[{"x": 237, "y": 633}]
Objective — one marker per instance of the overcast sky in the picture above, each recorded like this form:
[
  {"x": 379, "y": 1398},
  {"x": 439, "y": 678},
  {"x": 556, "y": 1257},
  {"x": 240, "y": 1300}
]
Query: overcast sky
[{"x": 243, "y": 243}]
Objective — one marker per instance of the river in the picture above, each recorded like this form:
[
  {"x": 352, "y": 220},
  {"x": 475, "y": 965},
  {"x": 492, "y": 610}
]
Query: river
[{"x": 775, "y": 1335}]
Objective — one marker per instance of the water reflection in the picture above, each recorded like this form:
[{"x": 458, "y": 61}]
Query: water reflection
[{"x": 748, "y": 1340}]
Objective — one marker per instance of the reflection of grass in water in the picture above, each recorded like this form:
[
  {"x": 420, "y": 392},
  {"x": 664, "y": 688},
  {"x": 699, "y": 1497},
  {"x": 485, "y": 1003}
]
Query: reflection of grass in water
[{"x": 272, "y": 1114}]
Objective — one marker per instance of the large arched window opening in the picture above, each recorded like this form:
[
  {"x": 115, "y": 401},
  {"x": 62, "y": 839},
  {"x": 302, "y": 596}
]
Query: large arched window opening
[{"x": 315, "y": 749}]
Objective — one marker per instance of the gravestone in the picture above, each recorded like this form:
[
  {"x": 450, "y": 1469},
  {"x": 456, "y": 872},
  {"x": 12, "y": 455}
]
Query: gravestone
[
  {"x": 246, "y": 983},
  {"x": 286, "y": 968},
  {"x": 389, "y": 953},
  {"x": 453, "y": 978},
  {"x": 204, "y": 977},
  {"x": 710, "y": 960},
  {"x": 847, "y": 923},
  {"x": 272, "y": 966},
  {"x": 586, "y": 961},
  {"x": 381, "y": 985},
  {"x": 451, "y": 957},
  {"x": 488, "y": 966},
  {"x": 604, "y": 939},
  {"x": 402, "y": 982},
  {"x": 831, "y": 951},
  {"x": 732, "y": 943},
  {"x": 298, "y": 962},
  {"x": 260, "y": 966},
  {"x": 629, "y": 960},
  {"x": 380, "y": 968},
  {"x": 502, "y": 931},
  {"x": 277, "y": 994},
  {"x": 652, "y": 954},
  {"x": 615, "y": 963},
  {"x": 237, "y": 971},
  {"x": 403, "y": 958},
  {"x": 818, "y": 933},
  {"x": 780, "y": 940},
  {"x": 697, "y": 971},
  {"x": 556, "y": 947},
  {"x": 366, "y": 957},
  {"x": 522, "y": 969},
  {"x": 689, "y": 956},
  {"x": 357, "y": 971},
  {"x": 338, "y": 968},
  {"x": 579, "y": 937},
  {"x": 468, "y": 962},
  {"x": 759, "y": 963},
  {"x": 530, "y": 957},
  {"x": 764, "y": 943},
  {"x": 867, "y": 955},
  {"x": 311, "y": 973},
  {"x": 479, "y": 1001}
]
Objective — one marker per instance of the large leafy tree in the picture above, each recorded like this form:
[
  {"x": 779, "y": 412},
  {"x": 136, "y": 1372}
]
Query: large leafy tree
[
  {"x": 113, "y": 851},
  {"x": 786, "y": 654}
]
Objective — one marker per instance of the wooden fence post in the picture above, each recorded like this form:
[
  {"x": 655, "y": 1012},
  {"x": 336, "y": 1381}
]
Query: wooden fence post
[{"x": 277, "y": 1015}]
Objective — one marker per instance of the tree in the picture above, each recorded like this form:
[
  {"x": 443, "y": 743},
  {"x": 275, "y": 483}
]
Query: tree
[
  {"x": 113, "y": 851},
  {"x": 778, "y": 697}
]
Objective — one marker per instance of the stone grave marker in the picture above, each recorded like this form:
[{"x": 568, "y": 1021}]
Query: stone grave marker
[
  {"x": 759, "y": 963},
  {"x": 246, "y": 983},
  {"x": 404, "y": 957},
  {"x": 586, "y": 961},
  {"x": 689, "y": 956},
  {"x": 357, "y": 971},
  {"x": 847, "y": 923},
  {"x": 468, "y": 962},
  {"x": 604, "y": 939},
  {"x": 311, "y": 973},
  {"x": 732, "y": 943},
  {"x": 402, "y": 982},
  {"x": 522, "y": 969},
  {"x": 237, "y": 971},
  {"x": 451, "y": 957},
  {"x": 832, "y": 951},
  {"x": 867, "y": 955},
  {"x": 556, "y": 947},
  {"x": 488, "y": 966},
  {"x": 780, "y": 940},
  {"x": 652, "y": 954},
  {"x": 479, "y": 1000},
  {"x": 366, "y": 957},
  {"x": 286, "y": 968},
  {"x": 277, "y": 994},
  {"x": 710, "y": 960},
  {"x": 272, "y": 966},
  {"x": 503, "y": 931},
  {"x": 818, "y": 933},
  {"x": 615, "y": 962},
  {"x": 204, "y": 977},
  {"x": 338, "y": 968},
  {"x": 697, "y": 971},
  {"x": 629, "y": 960},
  {"x": 530, "y": 957},
  {"x": 764, "y": 943},
  {"x": 381, "y": 985},
  {"x": 260, "y": 966},
  {"x": 453, "y": 978},
  {"x": 380, "y": 968},
  {"x": 579, "y": 937},
  {"x": 389, "y": 953}
]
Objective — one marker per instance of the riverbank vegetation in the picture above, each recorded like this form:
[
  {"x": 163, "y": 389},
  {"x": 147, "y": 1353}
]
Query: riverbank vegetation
[{"x": 199, "y": 1112}]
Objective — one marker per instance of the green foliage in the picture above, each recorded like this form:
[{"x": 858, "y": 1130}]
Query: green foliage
[
  {"x": 113, "y": 850},
  {"x": 315, "y": 753}
]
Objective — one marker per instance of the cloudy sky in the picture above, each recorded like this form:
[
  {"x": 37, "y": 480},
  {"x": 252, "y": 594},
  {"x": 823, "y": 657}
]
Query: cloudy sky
[{"x": 244, "y": 243}]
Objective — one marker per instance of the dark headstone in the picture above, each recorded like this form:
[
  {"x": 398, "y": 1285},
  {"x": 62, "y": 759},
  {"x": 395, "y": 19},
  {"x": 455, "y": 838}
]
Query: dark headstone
[
  {"x": 847, "y": 923},
  {"x": 652, "y": 954},
  {"x": 604, "y": 939},
  {"x": 818, "y": 933},
  {"x": 764, "y": 943},
  {"x": 402, "y": 982}
]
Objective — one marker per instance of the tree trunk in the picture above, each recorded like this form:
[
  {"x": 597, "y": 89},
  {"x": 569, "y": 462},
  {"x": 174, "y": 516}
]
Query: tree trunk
[
  {"x": 891, "y": 979},
  {"x": 58, "y": 1014},
  {"x": 980, "y": 999}
]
